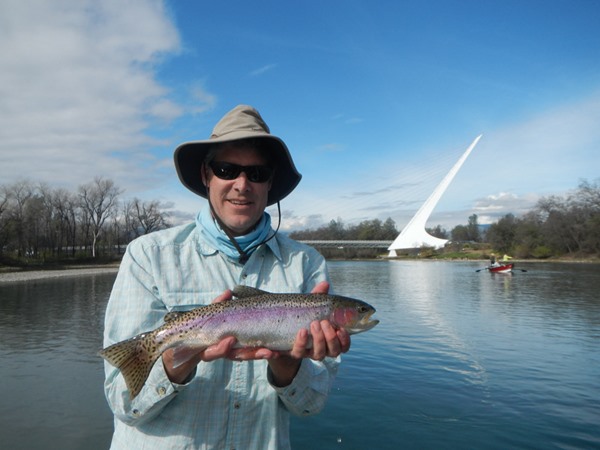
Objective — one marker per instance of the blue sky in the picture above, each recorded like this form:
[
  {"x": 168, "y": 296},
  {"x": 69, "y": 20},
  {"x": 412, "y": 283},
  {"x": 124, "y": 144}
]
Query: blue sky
[{"x": 376, "y": 100}]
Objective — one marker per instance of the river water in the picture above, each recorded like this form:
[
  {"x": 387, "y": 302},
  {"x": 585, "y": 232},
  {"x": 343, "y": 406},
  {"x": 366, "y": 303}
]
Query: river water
[{"x": 461, "y": 360}]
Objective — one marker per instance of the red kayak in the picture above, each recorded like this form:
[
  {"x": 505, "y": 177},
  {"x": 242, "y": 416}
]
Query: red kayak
[{"x": 501, "y": 268}]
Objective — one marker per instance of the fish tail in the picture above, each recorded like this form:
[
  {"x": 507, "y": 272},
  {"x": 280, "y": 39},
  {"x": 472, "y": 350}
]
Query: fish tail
[{"x": 134, "y": 358}]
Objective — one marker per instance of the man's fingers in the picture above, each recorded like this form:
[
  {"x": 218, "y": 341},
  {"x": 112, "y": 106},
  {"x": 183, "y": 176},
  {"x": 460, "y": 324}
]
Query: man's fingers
[
  {"x": 319, "y": 350},
  {"x": 333, "y": 346},
  {"x": 321, "y": 288},
  {"x": 246, "y": 354},
  {"x": 219, "y": 350},
  {"x": 299, "y": 349},
  {"x": 227, "y": 295}
]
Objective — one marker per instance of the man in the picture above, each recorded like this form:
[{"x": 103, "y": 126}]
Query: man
[{"x": 222, "y": 397}]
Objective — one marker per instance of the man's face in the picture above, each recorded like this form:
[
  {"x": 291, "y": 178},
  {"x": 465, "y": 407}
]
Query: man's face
[{"x": 239, "y": 203}]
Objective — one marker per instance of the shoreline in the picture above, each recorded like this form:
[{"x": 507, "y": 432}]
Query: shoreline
[
  {"x": 20, "y": 275},
  {"x": 34, "y": 275}
]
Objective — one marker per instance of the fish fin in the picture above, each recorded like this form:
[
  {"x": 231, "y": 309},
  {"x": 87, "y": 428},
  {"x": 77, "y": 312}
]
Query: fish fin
[
  {"x": 247, "y": 291},
  {"x": 173, "y": 315},
  {"x": 134, "y": 358},
  {"x": 183, "y": 353}
]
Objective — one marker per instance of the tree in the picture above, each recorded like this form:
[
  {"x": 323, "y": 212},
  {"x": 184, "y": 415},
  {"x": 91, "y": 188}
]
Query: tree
[
  {"x": 389, "y": 230},
  {"x": 438, "y": 232},
  {"x": 502, "y": 234},
  {"x": 4, "y": 222},
  {"x": 144, "y": 217},
  {"x": 19, "y": 195},
  {"x": 473, "y": 229},
  {"x": 98, "y": 201},
  {"x": 65, "y": 206},
  {"x": 335, "y": 231}
]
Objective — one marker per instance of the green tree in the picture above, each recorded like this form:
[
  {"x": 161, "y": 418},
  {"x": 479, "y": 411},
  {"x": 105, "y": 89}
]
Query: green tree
[
  {"x": 502, "y": 234},
  {"x": 438, "y": 232},
  {"x": 460, "y": 233},
  {"x": 473, "y": 229}
]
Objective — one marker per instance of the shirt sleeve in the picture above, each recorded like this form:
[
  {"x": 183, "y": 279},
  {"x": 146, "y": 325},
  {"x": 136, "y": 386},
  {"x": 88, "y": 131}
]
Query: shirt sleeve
[
  {"x": 307, "y": 393},
  {"x": 134, "y": 308}
]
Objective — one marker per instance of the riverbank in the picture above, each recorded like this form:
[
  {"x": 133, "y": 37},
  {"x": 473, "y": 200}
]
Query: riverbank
[
  {"x": 16, "y": 274},
  {"x": 13, "y": 275}
]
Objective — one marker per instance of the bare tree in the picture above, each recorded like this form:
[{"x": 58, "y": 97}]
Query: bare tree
[
  {"x": 19, "y": 194},
  {"x": 65, "y": 205},
  {"x": 98, "y": 201},
  {"x": 144, "y": 217},
  {"x": 4, "y": 222}
]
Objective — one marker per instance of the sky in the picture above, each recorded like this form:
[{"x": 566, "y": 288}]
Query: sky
[{"x": 375, "y": 100}]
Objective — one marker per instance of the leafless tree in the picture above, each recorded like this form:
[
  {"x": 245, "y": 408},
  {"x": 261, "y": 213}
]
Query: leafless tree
[
  {"x": 144, "y": 217},
  {"x": 98, "y": 201}
]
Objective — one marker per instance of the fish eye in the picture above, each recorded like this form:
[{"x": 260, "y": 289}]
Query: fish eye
[{"x": 363, "y": 309}]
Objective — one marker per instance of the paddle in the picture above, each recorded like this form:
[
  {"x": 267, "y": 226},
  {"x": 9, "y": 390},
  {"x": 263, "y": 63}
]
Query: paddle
[{"x": 479, "y": 270}]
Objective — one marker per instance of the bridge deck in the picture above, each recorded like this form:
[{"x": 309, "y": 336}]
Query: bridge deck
[{"x": 349, "y": 244}]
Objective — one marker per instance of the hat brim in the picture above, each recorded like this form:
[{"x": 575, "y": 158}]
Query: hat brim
[{"x": 190, "y": 155}]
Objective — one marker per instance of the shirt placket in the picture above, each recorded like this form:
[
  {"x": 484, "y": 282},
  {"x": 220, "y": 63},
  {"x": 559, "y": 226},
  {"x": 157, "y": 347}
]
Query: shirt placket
[{"x": 237, "y": 405}]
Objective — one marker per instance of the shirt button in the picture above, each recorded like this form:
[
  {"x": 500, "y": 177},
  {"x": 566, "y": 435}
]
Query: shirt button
[
  {"x": 136, "y": 412},
  {"x": 161, "y": 390}
]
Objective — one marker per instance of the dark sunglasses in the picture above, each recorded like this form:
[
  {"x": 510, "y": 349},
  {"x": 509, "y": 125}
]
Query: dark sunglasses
[{"x": 230, "y": 171}]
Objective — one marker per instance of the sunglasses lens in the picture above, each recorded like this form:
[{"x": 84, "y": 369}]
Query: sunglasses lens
[
  {"x": 225, "y": 171},
  {"x": 229, "y": 171},
  {"x": 258, "y": 174}
]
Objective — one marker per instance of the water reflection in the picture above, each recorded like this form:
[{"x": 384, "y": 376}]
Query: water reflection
[
  {"x": 460, "y": 359},
  {"x": 428, "y": 299},
  {"x": 50, "y": 332}
]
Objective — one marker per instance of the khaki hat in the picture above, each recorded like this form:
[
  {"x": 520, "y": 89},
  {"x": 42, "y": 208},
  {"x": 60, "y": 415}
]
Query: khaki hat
[{"x": 242, "y": 122}]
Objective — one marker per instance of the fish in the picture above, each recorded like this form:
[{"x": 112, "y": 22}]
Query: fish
[{"x": 256, "y": 318}]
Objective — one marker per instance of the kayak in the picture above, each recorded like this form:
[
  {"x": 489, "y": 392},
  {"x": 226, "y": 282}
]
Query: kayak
[{"x": 501, "y": 268}]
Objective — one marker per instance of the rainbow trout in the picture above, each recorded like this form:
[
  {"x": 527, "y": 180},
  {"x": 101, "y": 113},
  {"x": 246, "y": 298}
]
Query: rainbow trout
[{"x": 256, "y": 319}]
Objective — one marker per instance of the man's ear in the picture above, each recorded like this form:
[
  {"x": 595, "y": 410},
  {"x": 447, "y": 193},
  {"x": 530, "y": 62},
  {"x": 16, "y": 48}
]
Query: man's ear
[{"x": 204, "y": 174}]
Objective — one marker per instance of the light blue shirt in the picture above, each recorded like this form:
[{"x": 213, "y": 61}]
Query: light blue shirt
[{"x": 226, "y": 405}]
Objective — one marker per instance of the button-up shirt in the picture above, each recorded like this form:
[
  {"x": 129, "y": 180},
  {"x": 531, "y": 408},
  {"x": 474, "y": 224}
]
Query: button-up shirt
[{"x": 227, "y": 404}]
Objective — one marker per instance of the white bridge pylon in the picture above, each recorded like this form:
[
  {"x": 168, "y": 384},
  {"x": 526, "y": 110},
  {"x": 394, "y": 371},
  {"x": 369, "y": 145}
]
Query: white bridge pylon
[{"x": 414, "y": 235}]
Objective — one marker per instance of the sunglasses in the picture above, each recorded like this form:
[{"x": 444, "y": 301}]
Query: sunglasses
[{"x": 230, "y": 171}]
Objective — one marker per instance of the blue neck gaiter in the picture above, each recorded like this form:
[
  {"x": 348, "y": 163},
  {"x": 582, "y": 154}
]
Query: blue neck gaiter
[{"x": 219, "y": 240}]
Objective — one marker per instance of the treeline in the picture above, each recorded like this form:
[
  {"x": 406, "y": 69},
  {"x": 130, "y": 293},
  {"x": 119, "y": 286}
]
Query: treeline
[
  {"x": 557, "y": 226},
  {"x": 41, "y": 223}
]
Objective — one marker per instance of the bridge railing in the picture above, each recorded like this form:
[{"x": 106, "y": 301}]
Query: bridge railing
[{"x": 347, "y": 244}]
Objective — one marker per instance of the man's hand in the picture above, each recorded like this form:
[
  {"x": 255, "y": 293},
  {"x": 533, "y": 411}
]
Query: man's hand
[
  {"x": 222, "y": 349},
  {"x": 327, "y": 341}
]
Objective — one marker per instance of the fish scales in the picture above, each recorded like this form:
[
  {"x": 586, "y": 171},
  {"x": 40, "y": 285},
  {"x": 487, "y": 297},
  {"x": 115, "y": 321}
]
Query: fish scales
[{"x": 256, "y": 319}]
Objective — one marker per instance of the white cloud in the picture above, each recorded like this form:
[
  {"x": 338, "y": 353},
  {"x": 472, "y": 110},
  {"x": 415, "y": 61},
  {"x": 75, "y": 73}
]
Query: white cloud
[
  {"x": 263, "y": 70},
  {"x": 79, "y": 90}
]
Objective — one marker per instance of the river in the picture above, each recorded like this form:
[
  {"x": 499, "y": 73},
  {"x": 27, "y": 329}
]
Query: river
[{"x": 461, "y": 360}]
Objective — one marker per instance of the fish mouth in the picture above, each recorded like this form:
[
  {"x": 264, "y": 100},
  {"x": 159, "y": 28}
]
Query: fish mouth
[{"x": 364, "y": 324}]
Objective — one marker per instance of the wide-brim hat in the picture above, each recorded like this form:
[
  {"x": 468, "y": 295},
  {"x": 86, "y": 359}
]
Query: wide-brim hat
[{"x": 242, "y": 122}]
